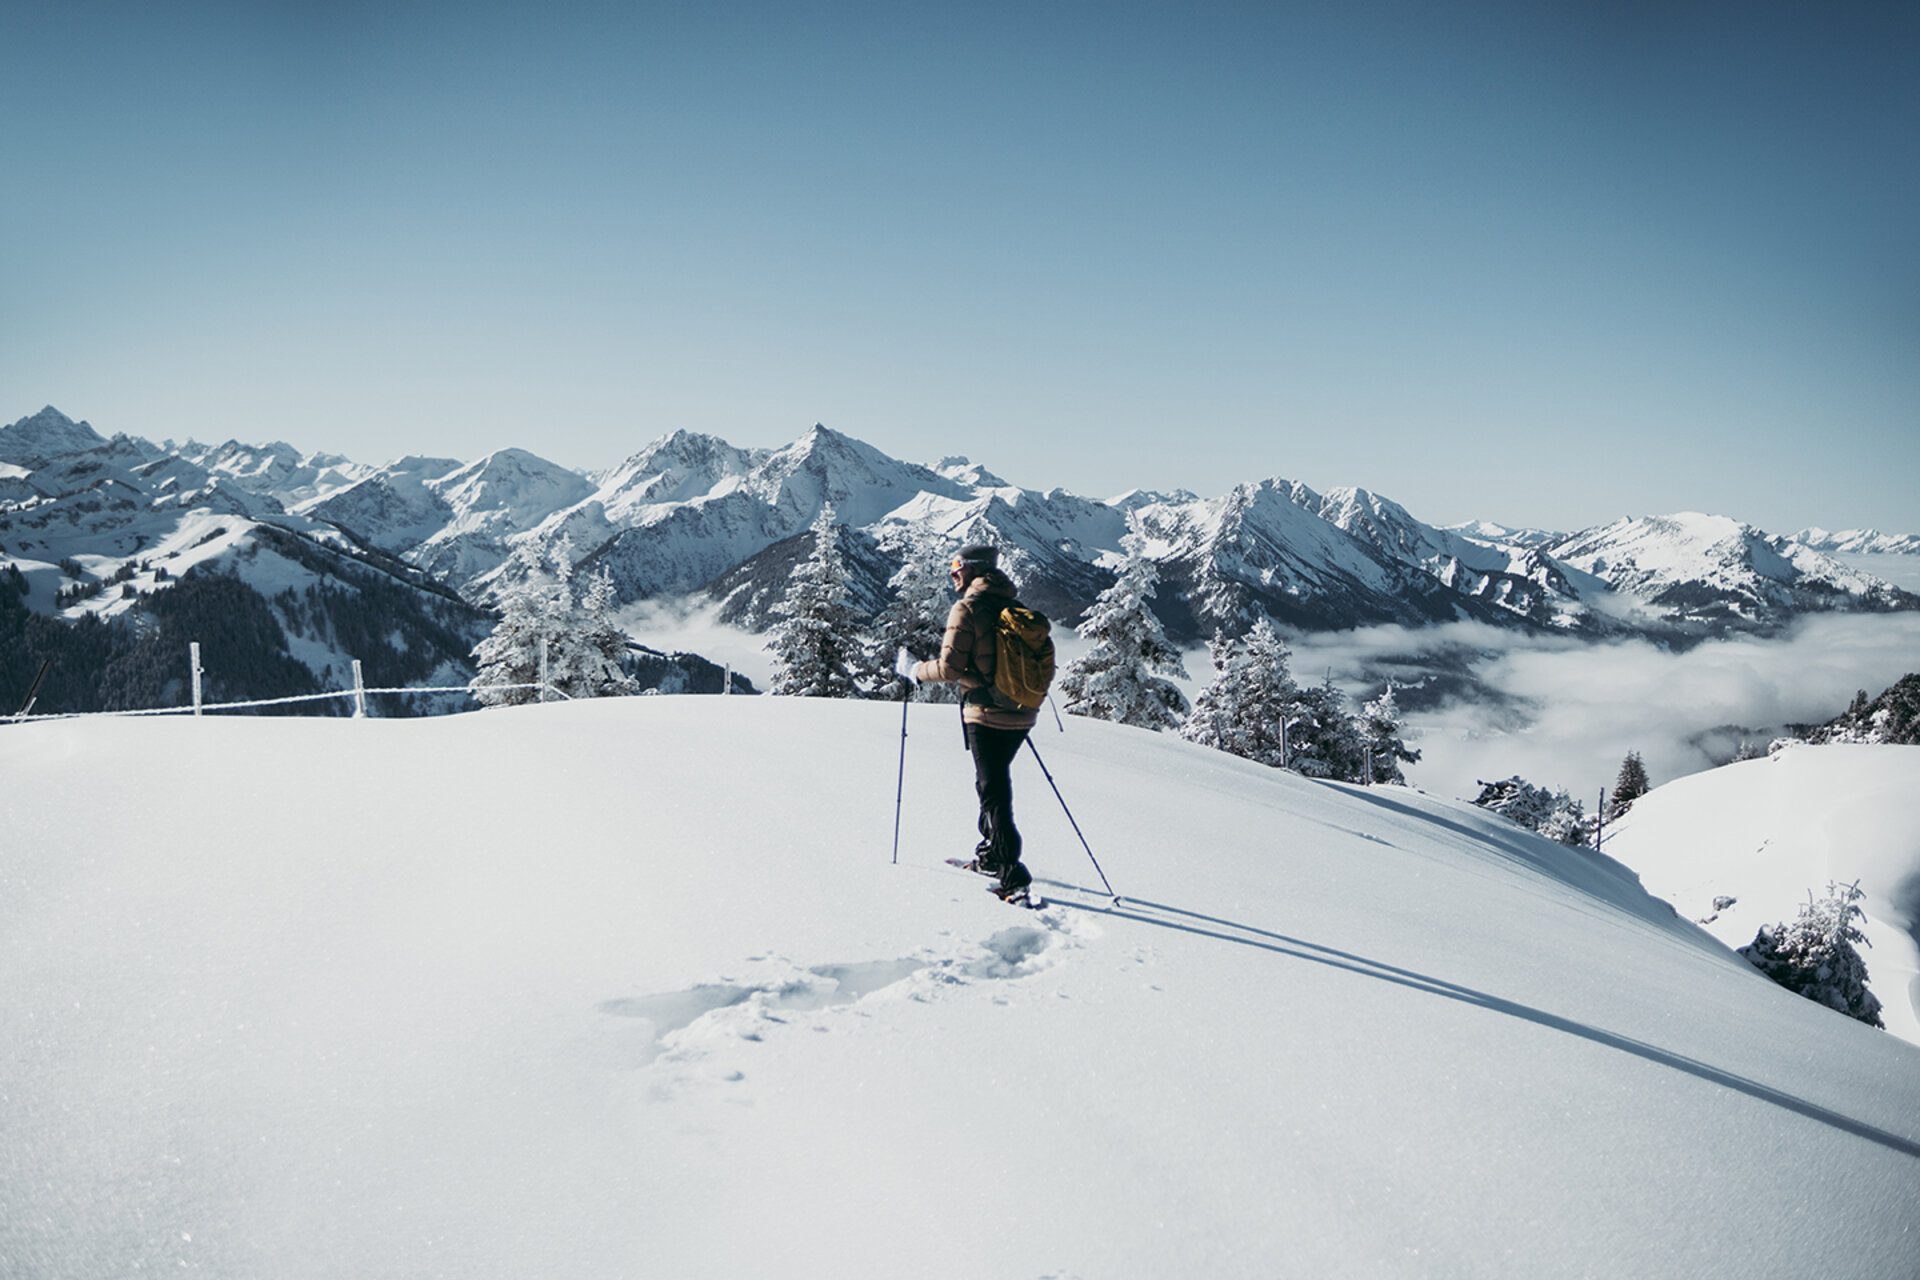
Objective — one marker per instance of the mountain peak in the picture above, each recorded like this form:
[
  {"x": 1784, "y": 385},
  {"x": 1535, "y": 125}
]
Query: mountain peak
[{"x": 32, "y": 441}]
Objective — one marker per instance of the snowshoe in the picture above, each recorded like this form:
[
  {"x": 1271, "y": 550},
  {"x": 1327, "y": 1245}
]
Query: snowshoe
[{"x": 1018, "y": 896}]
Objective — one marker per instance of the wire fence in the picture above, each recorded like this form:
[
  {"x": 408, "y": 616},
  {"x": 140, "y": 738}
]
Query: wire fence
[
  {"x": 359, "y": 693},
  {"x": 193, "y": 710}
]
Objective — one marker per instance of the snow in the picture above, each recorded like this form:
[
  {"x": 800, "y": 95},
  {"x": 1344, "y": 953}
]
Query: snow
[
  {"x": 1767, "y": 831},
  {"x": 1902, "y": 571},
  {"x": 631, "y": 987}
]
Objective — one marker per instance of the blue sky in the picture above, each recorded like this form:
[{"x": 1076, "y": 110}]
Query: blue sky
[{"x": 1539, "y": 264}]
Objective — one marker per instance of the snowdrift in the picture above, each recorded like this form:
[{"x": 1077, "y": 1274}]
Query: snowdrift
[
  {"x": 631, "y": 988},
  {"x": 1764, "y": 833}
]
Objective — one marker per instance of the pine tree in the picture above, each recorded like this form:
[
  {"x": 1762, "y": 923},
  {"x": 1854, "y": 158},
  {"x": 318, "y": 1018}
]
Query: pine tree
[
  {"x": 584, "y": 647},
  {"x": 1322, "y": 739},
  {"x": 915, "y": 619},
  {"x": 1241, "y": 710},
  {"x": 816, "y": 646},
  {"x": 1379, "y": 725},
  {"x": 1815, "y": 956},
  {"x": 1124, "y": 676},
  {"x": 1629, "y": 786},
  {"x": 597, "y": 650}
]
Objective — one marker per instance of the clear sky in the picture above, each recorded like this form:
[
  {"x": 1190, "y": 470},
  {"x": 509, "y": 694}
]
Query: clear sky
[{"x": 1544, "y": 264}]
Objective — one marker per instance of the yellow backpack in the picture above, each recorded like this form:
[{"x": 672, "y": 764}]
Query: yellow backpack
[{"x": 1023, "y": 656}]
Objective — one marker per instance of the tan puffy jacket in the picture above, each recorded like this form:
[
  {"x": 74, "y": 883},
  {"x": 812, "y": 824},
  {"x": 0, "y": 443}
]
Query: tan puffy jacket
[{"x": 968, "y": 653}]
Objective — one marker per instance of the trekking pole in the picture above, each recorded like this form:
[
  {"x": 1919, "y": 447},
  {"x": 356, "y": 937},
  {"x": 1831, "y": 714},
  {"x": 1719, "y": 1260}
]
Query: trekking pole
[
  {"x": 33, "y": 693},
  {"x": 900, "y": 787},
  {"x": 1056, "y": 713},
  {"x": 1076, "y": 826}
]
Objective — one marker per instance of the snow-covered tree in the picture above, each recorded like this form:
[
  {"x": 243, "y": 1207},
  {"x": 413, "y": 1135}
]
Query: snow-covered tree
[
  {"x": 1124, "y": 676},
  {"x": 1379, "y": 725},
  {"x": 1554, "y": 814},
  {"x": 914, "y": 620},
  {"x": 1629, "y": 786},
  {"x": 816, "y": 645},
  {"x": 584, "y": 647},
  {"x": 1241, "y": 710},
  {"x": 594, "y": 661},
  {"x": 1323, "y": 741},
  {"x": 1893, "y": 717},
  {"x": 1815, "y": 956}
]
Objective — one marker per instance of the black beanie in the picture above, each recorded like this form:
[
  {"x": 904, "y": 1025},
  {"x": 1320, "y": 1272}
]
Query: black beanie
[{"x": 979, "y": 557}]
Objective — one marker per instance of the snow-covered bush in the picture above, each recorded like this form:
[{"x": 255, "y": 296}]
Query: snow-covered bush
[
  {"x": 816, "y": 645},
  {"x": 585, "y": 648},
  {"x": 1815, "y": 957},
  {"x": 1554, "y": 814},
  {"x": 1123, "y": 677}
]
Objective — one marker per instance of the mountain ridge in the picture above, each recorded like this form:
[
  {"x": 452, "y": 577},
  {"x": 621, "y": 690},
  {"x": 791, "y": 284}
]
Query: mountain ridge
[{"x": 691, "y": 513}]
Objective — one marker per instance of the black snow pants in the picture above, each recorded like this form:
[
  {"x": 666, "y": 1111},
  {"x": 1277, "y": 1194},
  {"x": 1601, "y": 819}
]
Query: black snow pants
[{"x": 999, "y": 847}]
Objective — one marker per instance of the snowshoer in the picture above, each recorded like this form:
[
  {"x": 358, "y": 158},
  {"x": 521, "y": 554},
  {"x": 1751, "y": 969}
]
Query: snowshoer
[{"x": 995, "y": 730}]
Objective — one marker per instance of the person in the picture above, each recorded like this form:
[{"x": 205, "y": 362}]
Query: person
[{"x": 995, "y": 730}]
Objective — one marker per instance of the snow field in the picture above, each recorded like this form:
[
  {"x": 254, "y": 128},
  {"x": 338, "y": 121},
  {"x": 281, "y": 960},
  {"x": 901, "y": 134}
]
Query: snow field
[
  {"x": 1766, "y": 832},
  {"x": 630, "y": 988}
]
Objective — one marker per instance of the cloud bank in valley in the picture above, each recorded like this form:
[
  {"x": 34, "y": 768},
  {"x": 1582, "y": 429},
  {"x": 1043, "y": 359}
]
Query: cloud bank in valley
[
  {"x": 1563, "y": 713},
  {"x": 1485, "y": 703}
]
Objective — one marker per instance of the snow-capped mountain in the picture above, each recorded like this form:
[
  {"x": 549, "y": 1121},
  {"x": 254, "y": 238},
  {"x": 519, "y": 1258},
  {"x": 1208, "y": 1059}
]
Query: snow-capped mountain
[
  {"x": 1860, "y": 542},
  {"x": 691, "y": 513},
  {"x": 454, "y": 521},
  {"x": 277, "y": 470},
  {"x": 104, "y": 529},
  {"x": 1503, "y": 535},
  {"x": 33, "y": 441},
  {"x": 1710, "y": 573}
]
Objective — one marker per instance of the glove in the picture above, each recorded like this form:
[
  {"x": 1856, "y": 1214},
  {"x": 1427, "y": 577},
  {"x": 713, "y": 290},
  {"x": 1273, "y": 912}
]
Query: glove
[{"x": 903, "y": 665}]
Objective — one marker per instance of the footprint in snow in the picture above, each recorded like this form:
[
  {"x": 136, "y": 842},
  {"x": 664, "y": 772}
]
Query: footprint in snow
[{"x": 681, "y": 1022}]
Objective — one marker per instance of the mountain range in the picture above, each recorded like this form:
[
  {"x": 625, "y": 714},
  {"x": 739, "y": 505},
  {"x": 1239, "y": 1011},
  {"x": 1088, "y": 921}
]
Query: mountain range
[{"x": 691, "y": 514}]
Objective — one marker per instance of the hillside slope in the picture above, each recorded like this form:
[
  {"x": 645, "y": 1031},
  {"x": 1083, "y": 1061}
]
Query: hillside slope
[
  {"x": 631, "y": 988},
  {"x": 1767, "y": 832}
]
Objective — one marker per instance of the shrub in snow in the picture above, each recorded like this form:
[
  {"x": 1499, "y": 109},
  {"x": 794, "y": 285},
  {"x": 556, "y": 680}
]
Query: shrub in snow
[
  {"x": 585, "y": 648},
  {"x": 1815, "y": 955},
  {"x": 1123, "y": 677},
  {"x": 816, "y": 645},
  {"x": 1554, "y": 814}
]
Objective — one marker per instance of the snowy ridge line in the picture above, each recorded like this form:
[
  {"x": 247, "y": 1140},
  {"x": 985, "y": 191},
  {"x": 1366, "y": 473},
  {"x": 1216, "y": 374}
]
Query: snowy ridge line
[{"x": 268, "y": 702}]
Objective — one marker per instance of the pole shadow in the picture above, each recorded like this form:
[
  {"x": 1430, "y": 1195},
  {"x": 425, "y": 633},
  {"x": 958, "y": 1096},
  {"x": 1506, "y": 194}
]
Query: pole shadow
[{"x": 1316, "y": 953}]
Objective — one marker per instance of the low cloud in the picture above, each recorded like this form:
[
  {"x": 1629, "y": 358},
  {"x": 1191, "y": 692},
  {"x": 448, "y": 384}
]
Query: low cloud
[
  {"x": 1482, "y": 702},
  {"x": 1563, "y": 713}
]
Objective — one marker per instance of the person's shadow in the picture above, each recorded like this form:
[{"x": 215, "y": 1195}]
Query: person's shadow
[{"x": 1162, "y": 916}]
